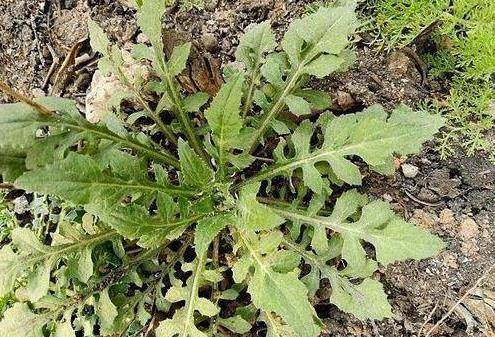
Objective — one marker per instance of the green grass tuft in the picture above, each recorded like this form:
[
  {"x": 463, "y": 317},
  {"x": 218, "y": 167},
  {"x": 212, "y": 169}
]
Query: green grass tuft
[{"x": 463, "y": 53}]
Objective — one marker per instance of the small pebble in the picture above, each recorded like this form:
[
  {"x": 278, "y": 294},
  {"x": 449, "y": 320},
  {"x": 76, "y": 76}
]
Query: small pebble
[
  {"x": 387, "y": 197},
  {"x": 209, "y": 41},
  {"x": 69, "y": 4},
  {"x": 409, "y": 171},
  {"x": 37, "y": 92}
]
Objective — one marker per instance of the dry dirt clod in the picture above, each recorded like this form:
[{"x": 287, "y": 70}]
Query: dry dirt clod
[
  {"x": 481, "y": 304},
  {"x": 447, "y": 217},
  {"x": 441, "y": 183},
  {"x": 399, "y": 63},
  {"x": 210, "y": 5},
  {"x": 202, "y": 72},
  {"x": 450, "y": 260},
  {"x": 69, "y": 27},
  {"x": 468, "y": 229},
  {"x": 423, "y": 219},
  {"x": 344, "y": 101}
]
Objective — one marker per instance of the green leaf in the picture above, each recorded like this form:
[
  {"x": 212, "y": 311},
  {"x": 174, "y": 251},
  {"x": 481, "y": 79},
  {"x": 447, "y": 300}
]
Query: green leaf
[
  {"x": 27, "y": 241},
  {"x": 282, "y": 293},
  {"x": 235, "y": 324},
  {"x": 252, "y": 214},
  {"x": 272, "y": 70},
  {"x": 370, "y": 135},
  {"x": 18, "y": 125},
  {"x": 106, "y": 312},
  {"x": 38, "y": 281},
  {"x": 98, "y": 39},
  {"x": 12, "y": 164},
  {"x": 19, "y": 321},
  {"x": 256, "y": 41},
  {"x": 240, "y": 269},
  {"x": 315, "y": 35},
  {"x": 393, "y": 238},
  {"x": 208, "y": 228},
  {"x": 328, "y": 30},
  {"x": 365, "y": 300},
  {"x": 149, "y": 19},
  {"x": 292, "y": 44},
  {"x": 178, "y": 59},
  {"x": 399, "y": 240},
  {"x": 286, "y": 295},
  {"x": 85, "y": 264},
  {"x": 31, "y": 255},
  {"x": 319, "y": 100},
  {"x": 240, "y": 161},
  {"x": 182, "y": 323},
  {"x": 298, "y": 105},
  {"x": 64, "y": 329},
  {"x": 195, "y": 172},
  {"x": 194, "y": 102},
  {"x": 8, "y": 269},
  {"x": 135, "y": 222},
  {"x": 81, "y": 180},
  {"x": 141, "y": 51},
  {"x": 276, "y": 327},
  {"x": 324, "y": 65},
  {"x": 223, "y": 115}
]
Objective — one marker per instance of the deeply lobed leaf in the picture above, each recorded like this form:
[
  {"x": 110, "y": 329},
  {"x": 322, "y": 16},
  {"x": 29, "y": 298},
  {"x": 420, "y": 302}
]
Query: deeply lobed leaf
[
  {"x": 37, "y": 260},
  {"x": 393, "y": 238},
  {"x": 372, "y": 135}
]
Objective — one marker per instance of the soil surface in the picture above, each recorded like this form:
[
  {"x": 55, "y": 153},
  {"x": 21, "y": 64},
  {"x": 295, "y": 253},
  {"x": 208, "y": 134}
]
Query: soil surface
[{"x": 453, "y": 198}]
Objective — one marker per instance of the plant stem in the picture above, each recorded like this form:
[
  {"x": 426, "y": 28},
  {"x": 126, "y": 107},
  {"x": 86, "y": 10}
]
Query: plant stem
[
  {"x": 6, "y": 186},
  {"x": 249, "y": 97},
  {"x": 178, "y": 108},
  {"x": 215, "y": 292},
  {"x": 276, "y": 107},
  {"x": 162, "y": 156},
  {"x": 193, "y": 295},
  {"x": 152, "y": 114},
  {"x": 64, "y": 250}
]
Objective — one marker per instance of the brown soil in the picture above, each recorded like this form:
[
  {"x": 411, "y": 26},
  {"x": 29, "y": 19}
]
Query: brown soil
[{"x": 453, "y": 198}]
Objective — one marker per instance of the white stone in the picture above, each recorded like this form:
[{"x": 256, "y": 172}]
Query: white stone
[{"x": 409, "y": 171}]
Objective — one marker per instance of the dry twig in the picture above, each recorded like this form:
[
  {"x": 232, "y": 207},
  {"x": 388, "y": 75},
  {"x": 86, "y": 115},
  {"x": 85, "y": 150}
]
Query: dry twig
[{"x": 12, "y": 93}]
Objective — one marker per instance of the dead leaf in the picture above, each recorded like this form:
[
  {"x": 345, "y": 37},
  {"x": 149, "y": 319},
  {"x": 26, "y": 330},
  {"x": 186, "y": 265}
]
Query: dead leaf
[{"x": 203, "y": 70}]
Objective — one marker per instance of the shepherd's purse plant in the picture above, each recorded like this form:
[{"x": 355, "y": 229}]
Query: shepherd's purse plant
[{"x": 226, "y": 214}]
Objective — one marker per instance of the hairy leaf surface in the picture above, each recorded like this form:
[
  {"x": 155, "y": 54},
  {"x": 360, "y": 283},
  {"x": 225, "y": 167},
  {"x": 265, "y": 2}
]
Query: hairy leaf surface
[
  {"x": 37, "y": 260},
  {"x": 19, "y": 321},
  {"x": 224, "y": 118},
  {"x": 81, "y": 179},
  {"x": 371, "y": 135},
  {"x": 393, "y": 238}
]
